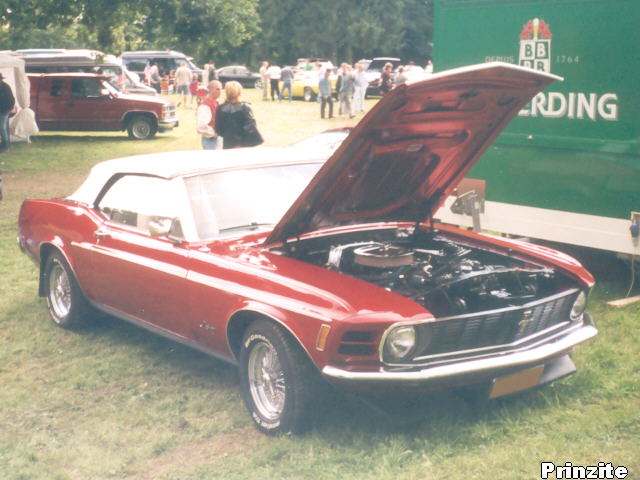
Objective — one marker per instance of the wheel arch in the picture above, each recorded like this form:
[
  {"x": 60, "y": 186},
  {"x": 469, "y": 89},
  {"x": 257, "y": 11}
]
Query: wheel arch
[
  {"x": 240, "y": 321},
  {"x": 134, "y": 113},
  {"x": 46, "y": 250}
]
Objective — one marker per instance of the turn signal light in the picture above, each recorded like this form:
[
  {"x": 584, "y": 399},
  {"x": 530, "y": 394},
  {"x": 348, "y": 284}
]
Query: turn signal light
[{"x": 323, "y": 334}]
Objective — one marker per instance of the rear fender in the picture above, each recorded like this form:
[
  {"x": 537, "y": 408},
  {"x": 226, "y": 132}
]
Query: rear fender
[{"x": 46, "y": 249}]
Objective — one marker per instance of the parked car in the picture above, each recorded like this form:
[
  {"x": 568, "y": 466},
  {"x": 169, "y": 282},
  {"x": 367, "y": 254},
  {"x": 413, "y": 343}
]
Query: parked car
[
  {"x": 91, "y": 61},
  {"x": 323, "y": 270},
  {"x": 310, "y": 63},
  {"x": 305, "y": 84},
  {"x": 88, "y": 102},
  {"x": 240, "y": 73},
  {"x": 168, "y": 61}
]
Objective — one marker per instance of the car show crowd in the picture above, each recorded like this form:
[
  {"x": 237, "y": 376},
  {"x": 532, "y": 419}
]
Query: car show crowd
[{"x": 171, "y": 72}]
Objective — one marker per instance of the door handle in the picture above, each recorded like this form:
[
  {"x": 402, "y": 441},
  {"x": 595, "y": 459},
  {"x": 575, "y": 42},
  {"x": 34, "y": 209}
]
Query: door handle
[{"x": 98, "y": 234}]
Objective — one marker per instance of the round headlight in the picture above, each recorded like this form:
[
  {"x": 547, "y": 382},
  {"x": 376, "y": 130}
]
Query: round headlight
[
  {"x": 399, "y": 343},
  {"x": 579, "y": 306}
]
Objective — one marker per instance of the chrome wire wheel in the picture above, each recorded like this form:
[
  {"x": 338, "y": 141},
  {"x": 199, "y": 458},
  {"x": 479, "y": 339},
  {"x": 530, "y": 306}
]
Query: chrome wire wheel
[
  {"x": 141, "y": 129},
  {"x": 266, "y": 380},
  {"x": 59, "y": 291}
]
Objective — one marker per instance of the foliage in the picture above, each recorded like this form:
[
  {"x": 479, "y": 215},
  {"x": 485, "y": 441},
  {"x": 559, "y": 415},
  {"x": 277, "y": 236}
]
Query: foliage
[
  {"x": 243, "y": 31},
  {"x": 201, "y": 28},
  {"x": 345, "y": 29}
]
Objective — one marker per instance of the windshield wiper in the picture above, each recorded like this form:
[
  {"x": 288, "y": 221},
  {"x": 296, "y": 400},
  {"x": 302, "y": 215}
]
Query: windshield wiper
[{"x": 250, "y": 226}]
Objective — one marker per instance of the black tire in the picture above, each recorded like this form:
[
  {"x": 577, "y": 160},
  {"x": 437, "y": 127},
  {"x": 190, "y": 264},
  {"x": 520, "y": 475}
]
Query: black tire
[
  {"x": 141, "y": 127},
  {"x": 66, "y": 303},
  {"x": 283, "y": 404},
  {"x": 257, "y": 84},
  {"x": 308, "y": 94}
]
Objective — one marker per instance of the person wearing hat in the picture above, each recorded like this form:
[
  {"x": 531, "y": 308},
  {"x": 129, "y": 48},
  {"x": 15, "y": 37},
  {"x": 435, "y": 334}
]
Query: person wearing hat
[{"x": 7, "y": 103}]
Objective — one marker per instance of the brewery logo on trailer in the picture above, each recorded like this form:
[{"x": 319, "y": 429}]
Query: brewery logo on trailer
[{"x": 535, "y": 45}]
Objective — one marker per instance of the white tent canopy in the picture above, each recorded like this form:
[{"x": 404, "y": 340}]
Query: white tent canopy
[{"x": 23, "y": 124}]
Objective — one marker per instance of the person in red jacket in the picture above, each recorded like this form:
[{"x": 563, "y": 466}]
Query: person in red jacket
[{"x": 206, "y": 117}]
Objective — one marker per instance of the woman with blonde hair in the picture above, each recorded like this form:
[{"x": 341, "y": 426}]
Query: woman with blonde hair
[{"x": 235, "y": 121}]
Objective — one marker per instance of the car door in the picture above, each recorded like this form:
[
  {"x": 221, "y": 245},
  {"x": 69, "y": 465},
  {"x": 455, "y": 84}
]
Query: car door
[
  {"x": 226, "y": 74},
  {"x": 88, "y": 107},
  {"x": 137, "y": 273},
  {"x": 243, "y": 76},
  {"x": 53, "y": 97}
]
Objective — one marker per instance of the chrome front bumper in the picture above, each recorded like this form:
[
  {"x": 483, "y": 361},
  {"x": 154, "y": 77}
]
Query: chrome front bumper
[
  {"x": 488, "y": 367},
  {"x": 164, "y": 125}
]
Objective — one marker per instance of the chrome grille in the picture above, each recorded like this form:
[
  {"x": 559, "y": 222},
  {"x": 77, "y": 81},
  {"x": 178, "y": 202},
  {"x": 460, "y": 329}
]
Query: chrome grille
[{"x": 495, "y": 329}]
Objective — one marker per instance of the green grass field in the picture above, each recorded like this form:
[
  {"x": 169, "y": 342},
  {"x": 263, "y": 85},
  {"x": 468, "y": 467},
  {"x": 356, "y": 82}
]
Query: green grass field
[{"x": 115, "y": 402}]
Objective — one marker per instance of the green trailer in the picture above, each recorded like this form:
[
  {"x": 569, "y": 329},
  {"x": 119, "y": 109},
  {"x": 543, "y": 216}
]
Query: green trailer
[{"x": 568, "y": 167}]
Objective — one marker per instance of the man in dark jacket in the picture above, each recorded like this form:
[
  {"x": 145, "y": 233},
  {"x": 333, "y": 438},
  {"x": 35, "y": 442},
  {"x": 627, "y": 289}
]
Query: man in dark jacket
[{"x": 7, "y": 102}]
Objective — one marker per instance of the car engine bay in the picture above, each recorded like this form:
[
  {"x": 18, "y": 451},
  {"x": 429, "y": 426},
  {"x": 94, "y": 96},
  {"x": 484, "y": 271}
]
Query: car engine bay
[{"x": 447, "y": 276}]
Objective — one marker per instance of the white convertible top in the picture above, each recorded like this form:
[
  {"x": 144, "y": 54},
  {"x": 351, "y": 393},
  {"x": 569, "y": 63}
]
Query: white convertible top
[{"x": 176, "y": 164}]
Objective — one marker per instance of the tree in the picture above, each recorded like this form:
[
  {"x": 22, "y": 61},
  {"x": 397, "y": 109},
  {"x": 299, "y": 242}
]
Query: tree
[
  {"x": 242, "y": 30},
  {"x": 200, "y": 28},
  {"x": 344, "y": 29}
]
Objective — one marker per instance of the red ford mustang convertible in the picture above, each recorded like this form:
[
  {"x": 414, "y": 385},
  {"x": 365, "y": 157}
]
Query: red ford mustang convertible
[{"x": 303, "y": 265}]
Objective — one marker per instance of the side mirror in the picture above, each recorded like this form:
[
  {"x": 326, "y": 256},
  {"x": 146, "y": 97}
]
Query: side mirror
[
  {"x": 166, "y": 227},
  {"x": 104, "y": 92},
  {"x": 160, "y": 226}
]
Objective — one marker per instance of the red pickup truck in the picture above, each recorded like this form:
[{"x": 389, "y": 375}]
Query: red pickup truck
[{"x": 86, "y": 101}]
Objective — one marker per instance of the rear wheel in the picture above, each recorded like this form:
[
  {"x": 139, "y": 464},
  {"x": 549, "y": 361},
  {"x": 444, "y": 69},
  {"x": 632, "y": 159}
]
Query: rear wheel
[
  {"x": 258, "y": 84},
  {"x": 308, "y": 94},
  {"x": 277, "y": 379},
  {"x": 65, "y": 301},
  {"x": 141, "y": 128}
]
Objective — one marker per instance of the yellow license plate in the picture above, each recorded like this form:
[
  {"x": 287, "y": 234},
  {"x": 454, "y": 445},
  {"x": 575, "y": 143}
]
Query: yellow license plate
[{"x": 516, "y": 382}]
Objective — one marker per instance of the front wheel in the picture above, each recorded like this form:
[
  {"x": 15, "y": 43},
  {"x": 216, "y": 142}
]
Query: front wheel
[
  {"x": 258, "y": 84},
  {"x": 141, "y": 128},
  {"x": 277, "y": 380},
  {"x": 66, "y": 303}
]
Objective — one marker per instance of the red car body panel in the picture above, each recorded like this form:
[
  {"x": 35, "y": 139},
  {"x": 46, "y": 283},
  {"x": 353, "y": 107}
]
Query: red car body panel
[{"x": 204, "y": 293}]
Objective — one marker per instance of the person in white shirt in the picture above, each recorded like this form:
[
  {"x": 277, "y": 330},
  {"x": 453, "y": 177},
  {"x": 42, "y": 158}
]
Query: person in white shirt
[
  {"x": 206, "y": 117},
  {"x": 274, "y": 78},
  {"x": 264, "y": 75},
  {"x": 360, "y": 90},
  {"x": 183, "y": 79}
]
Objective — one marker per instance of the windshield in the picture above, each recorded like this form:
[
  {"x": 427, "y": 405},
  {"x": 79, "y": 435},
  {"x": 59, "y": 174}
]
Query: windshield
[
  {"x": 192, "y": 64},
  {"x": 242, "y": 200}
]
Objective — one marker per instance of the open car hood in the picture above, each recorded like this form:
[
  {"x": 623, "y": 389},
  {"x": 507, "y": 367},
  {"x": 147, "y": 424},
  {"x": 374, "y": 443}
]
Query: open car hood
[{"x": 410, "y": 151}]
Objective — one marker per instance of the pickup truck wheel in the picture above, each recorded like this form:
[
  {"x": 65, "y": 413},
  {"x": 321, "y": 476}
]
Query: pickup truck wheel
[
  {"x": 277, "y": 380},
  {"x": 308, "y": 94},
  {"x": 65, "y": 301},
  {"x": 141, "y": 128}
]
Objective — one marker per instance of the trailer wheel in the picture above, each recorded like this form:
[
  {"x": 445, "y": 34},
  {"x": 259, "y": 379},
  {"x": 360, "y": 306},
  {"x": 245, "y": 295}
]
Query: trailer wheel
[{"x": 141, "y": 127}]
